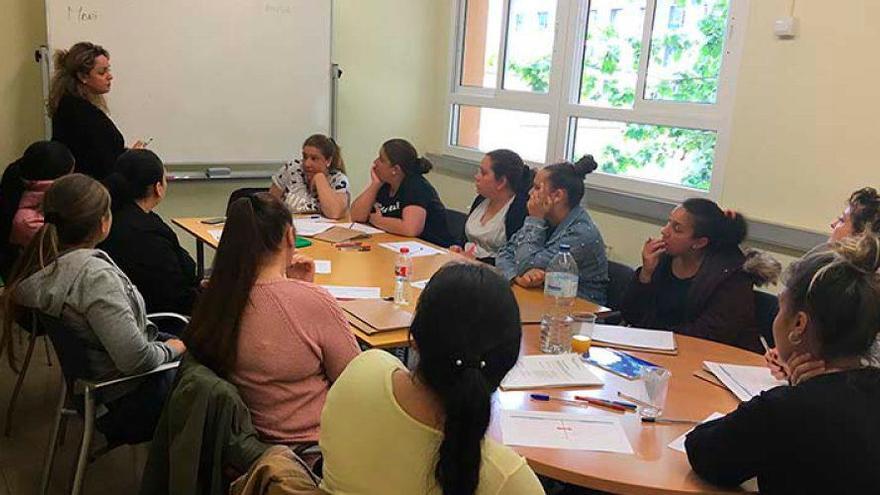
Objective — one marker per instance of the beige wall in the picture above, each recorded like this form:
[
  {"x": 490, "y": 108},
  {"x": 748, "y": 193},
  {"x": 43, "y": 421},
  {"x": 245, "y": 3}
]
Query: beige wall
[{"x": 22, "y": 29}]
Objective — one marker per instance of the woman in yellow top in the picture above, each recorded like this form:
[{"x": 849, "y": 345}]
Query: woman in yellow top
[{"x": 386, "y": 430}]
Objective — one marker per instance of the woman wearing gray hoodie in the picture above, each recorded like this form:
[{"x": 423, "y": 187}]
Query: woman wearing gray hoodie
[{"x": 62, "y": 275}]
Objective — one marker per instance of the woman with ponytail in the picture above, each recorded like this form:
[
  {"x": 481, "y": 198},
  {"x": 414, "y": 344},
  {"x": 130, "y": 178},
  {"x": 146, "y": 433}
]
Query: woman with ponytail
[
  {"x": 263, "y": 324},
  {"x": 695, "y": 279},
  {"x": 141, "y": 243},
  {"x": 387, "y": 430},
  {"x": 80, "y": 117},
  {"x": 399, "y": 199},
  {"x": 62, "y": 275},
  {"x": 556, "y": 218},
  {"x": 819, "y": 435},
  {"x": 502, "y": 182}
]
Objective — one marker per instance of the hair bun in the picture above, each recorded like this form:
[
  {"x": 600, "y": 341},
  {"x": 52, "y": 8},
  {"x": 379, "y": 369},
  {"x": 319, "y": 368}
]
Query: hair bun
[
  {"x": 60, "y": 58},
  {"x": 585, "y": 165},
  {"x": 862, "y": 252},
  {"x": 424, "y": 165}
]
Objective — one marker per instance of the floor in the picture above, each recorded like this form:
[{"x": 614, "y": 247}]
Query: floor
[{"x": 23, "y": 452}]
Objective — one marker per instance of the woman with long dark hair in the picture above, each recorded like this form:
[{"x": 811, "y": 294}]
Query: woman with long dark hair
[
  {"x": 385, "y": 429},
  {"x": 262, "y": 323}
]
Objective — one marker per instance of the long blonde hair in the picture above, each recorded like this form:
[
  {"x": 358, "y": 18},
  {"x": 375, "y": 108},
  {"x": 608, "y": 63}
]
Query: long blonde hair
[
  {"x": 73, "y": 207},
  {"x": 69, "y": 66}
]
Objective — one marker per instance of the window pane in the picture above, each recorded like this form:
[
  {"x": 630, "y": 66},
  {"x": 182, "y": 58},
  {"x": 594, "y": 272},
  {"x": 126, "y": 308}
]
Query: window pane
[
  {"x": 687, "y": 46},
  {"x": 482, "y": 37},
  {"x": 486, "y": 129},
  {"x": 611, "y": 53},
  {"x": 672, "y": 155},
  {"x": 529, "y": 45}
]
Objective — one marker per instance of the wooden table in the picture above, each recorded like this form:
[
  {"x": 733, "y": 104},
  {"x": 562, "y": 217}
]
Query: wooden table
[
  {"x": 655, "y": 468},
  {"x": 374, "y": 268}
]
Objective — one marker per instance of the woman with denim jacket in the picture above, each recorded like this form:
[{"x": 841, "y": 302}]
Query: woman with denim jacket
[{"x": 556, "y": 218}]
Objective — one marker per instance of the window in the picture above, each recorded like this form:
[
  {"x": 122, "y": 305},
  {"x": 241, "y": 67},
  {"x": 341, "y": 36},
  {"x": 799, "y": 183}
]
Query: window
[{"x": 645, "y": 86}]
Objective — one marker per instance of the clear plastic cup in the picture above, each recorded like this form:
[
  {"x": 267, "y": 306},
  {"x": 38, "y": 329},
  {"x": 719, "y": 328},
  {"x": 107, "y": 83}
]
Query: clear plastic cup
[
  {"x": 656, "y": 383},
  {"x": 582, "y": 334}
]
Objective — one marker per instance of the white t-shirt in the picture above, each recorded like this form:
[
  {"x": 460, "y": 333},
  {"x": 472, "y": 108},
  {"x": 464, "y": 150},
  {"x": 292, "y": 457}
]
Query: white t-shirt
[
  {"x": 298, "y": 196},
  {"x": 489, "y": 236}
]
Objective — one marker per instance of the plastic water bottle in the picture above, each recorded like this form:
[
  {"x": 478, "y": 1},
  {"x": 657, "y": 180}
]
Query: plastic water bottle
[
  {"x": 560, "y": 291},
  {"x": 402, "y": 274}
]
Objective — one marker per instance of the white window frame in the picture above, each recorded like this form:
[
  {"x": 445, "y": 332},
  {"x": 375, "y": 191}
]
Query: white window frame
[{"x": 560, "y": 102}]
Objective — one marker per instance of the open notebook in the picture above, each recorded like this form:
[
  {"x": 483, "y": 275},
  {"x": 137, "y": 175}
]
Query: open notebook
[{"x": 549, "y": 371}]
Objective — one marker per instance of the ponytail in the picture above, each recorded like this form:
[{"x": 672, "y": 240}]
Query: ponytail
[
  {"x": 402, "y": 153},
  {"x": 464, "y": 360},
  {"x": 136, "y": 171},
  {"x": 723, "y": 232}
]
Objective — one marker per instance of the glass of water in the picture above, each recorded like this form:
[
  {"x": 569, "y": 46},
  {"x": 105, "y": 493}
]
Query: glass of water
[{"x": 656, "y": 383}]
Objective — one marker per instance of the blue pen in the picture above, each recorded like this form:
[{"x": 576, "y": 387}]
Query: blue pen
[{"x": 547, "y": 398}]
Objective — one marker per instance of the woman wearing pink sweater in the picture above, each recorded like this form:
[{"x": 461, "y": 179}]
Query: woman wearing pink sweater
[
  {"x": 42, "y": 163},
  {"x": 262, "y": 323}
]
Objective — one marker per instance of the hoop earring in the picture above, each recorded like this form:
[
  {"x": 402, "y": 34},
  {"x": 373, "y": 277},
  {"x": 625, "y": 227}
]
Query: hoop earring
[{"x": 795, "y": 339}]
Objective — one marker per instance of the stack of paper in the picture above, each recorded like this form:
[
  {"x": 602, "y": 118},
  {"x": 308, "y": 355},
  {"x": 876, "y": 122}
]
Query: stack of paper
[
  {"x": 323, "y": 266},
  {"x": 366, "y": 229},
  {"x": 678, "y": 443},
  {"x": 637, "y": 339},
  {"x": 345, "y": 292},
  {"x": 416, "y": 249},
  {"x": 559, "y": 370},
  {"x": 745, "y": 382},
  {"x": 564, "y": 431},
  {"x": 307, "y": 227}
]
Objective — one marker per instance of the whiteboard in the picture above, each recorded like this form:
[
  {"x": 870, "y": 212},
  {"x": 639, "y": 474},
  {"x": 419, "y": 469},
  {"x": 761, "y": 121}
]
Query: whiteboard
[{"x": 212, "y": 81}]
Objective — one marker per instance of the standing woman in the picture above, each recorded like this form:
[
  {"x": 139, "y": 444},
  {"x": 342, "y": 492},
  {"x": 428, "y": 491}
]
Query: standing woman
[
  {"x": 141, "y": 243},
  {"x": 399, "y": 199},
  {"x": 317, "y": 183},
  {"x": 80, "y": 117}
]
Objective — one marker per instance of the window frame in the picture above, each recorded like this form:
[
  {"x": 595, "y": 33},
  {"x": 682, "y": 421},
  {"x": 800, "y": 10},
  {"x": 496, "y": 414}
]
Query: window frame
[{"x": 560, "y": 101}]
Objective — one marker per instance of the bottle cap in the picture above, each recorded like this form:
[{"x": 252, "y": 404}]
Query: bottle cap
[
  {"x": 404, "y": 250},
  {"x": 564, "y": 247}
]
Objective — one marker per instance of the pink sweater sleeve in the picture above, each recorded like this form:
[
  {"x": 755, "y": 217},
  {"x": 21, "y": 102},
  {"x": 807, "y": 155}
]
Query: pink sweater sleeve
[{"x": 337, "y": 343}]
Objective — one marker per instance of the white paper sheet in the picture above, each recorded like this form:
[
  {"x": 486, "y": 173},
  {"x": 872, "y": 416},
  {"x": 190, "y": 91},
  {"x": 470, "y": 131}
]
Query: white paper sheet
[
  {"x": 366, "y": 229},
  {"x": 564, "y": 431},
  {"x": 558, "y": 370},
  {"x": 634, "y": 337},
  {"x": 323, "y": 266},
  {"x": 678, "y": 443},
  {"x": 420, "y": 284},
  {"x": 416, "y": 249},
  {"x": 346, "y": 292},
  {"x": 744, "y": 381},
  {"x": 216, "y": 233},
  {"x": 308, "y": 227}
]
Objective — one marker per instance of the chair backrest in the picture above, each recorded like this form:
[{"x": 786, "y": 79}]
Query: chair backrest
[
  {"x": 455, "y": 221},
  {"x": 766, "y": 307},
  {"x": 69, "y": 348},
  {"x": 243, "y": 192},
  {"x": 619, "y": 277}
]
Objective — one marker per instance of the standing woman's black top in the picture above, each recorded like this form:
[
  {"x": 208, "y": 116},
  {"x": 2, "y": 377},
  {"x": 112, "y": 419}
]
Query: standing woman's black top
[
  {"x": 148, "y": 251},
  {"x": 90, "y": 135}
]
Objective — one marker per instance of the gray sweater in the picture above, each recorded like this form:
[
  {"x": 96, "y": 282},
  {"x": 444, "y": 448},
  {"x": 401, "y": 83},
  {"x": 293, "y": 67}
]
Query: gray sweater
[{"x": 86, "y": 290}]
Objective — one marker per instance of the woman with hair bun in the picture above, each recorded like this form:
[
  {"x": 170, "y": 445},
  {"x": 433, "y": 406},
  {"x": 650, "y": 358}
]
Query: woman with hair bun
[
  {"x": 556, "y": 218},
  {"x": 819, "y": 435},
  {"x": 399, "y": 199},
  {"x": 80, "y": 117},
  {"x": 141, "y": 243},
  {"x": 502, "y": 182},
  {"x": 385, "y": 429},
  {"x": 695, "y": 279}
]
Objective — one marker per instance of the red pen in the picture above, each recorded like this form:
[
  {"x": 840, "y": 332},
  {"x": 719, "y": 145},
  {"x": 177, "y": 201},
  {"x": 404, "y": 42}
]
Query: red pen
[{"x": 602, "y": 403}]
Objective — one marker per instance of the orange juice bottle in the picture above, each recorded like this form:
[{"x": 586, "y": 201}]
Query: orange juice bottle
[{"x": 580, "y": 343}]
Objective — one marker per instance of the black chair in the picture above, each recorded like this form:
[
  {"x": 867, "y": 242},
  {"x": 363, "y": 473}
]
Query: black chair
[
  {"x": 619, "y": 276},
  {"x": 243, "y": 192},
  {"x": 766, "y": 307},
  {"x": 27, "y": 321},
  {"x": 79, "y": 395},
  {"x": 455, "y": 221}
]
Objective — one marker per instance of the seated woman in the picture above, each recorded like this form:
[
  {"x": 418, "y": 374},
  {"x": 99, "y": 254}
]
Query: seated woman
[
  {"x": 399, "y": 199},
  {"x": 143, "y": 245},
  {"x": 696, "y": 281},
  {"x": 499, "y": 210},
  {"x": 262, "y": 323},
  {"x": 43, "y": 162},
  {"x": 385, "y": 429},
  {"x": 821, "y": 435},
  {"x": 62, "y": 275},
  {"x": 556, "y": 218},
  {"x": 861, "y": 215},
  {"x": 317, "y": 183}
]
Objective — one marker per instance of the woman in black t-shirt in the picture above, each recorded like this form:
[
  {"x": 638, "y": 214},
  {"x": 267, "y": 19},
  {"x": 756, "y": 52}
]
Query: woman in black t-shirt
[{"x": 399, "y": 199}]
